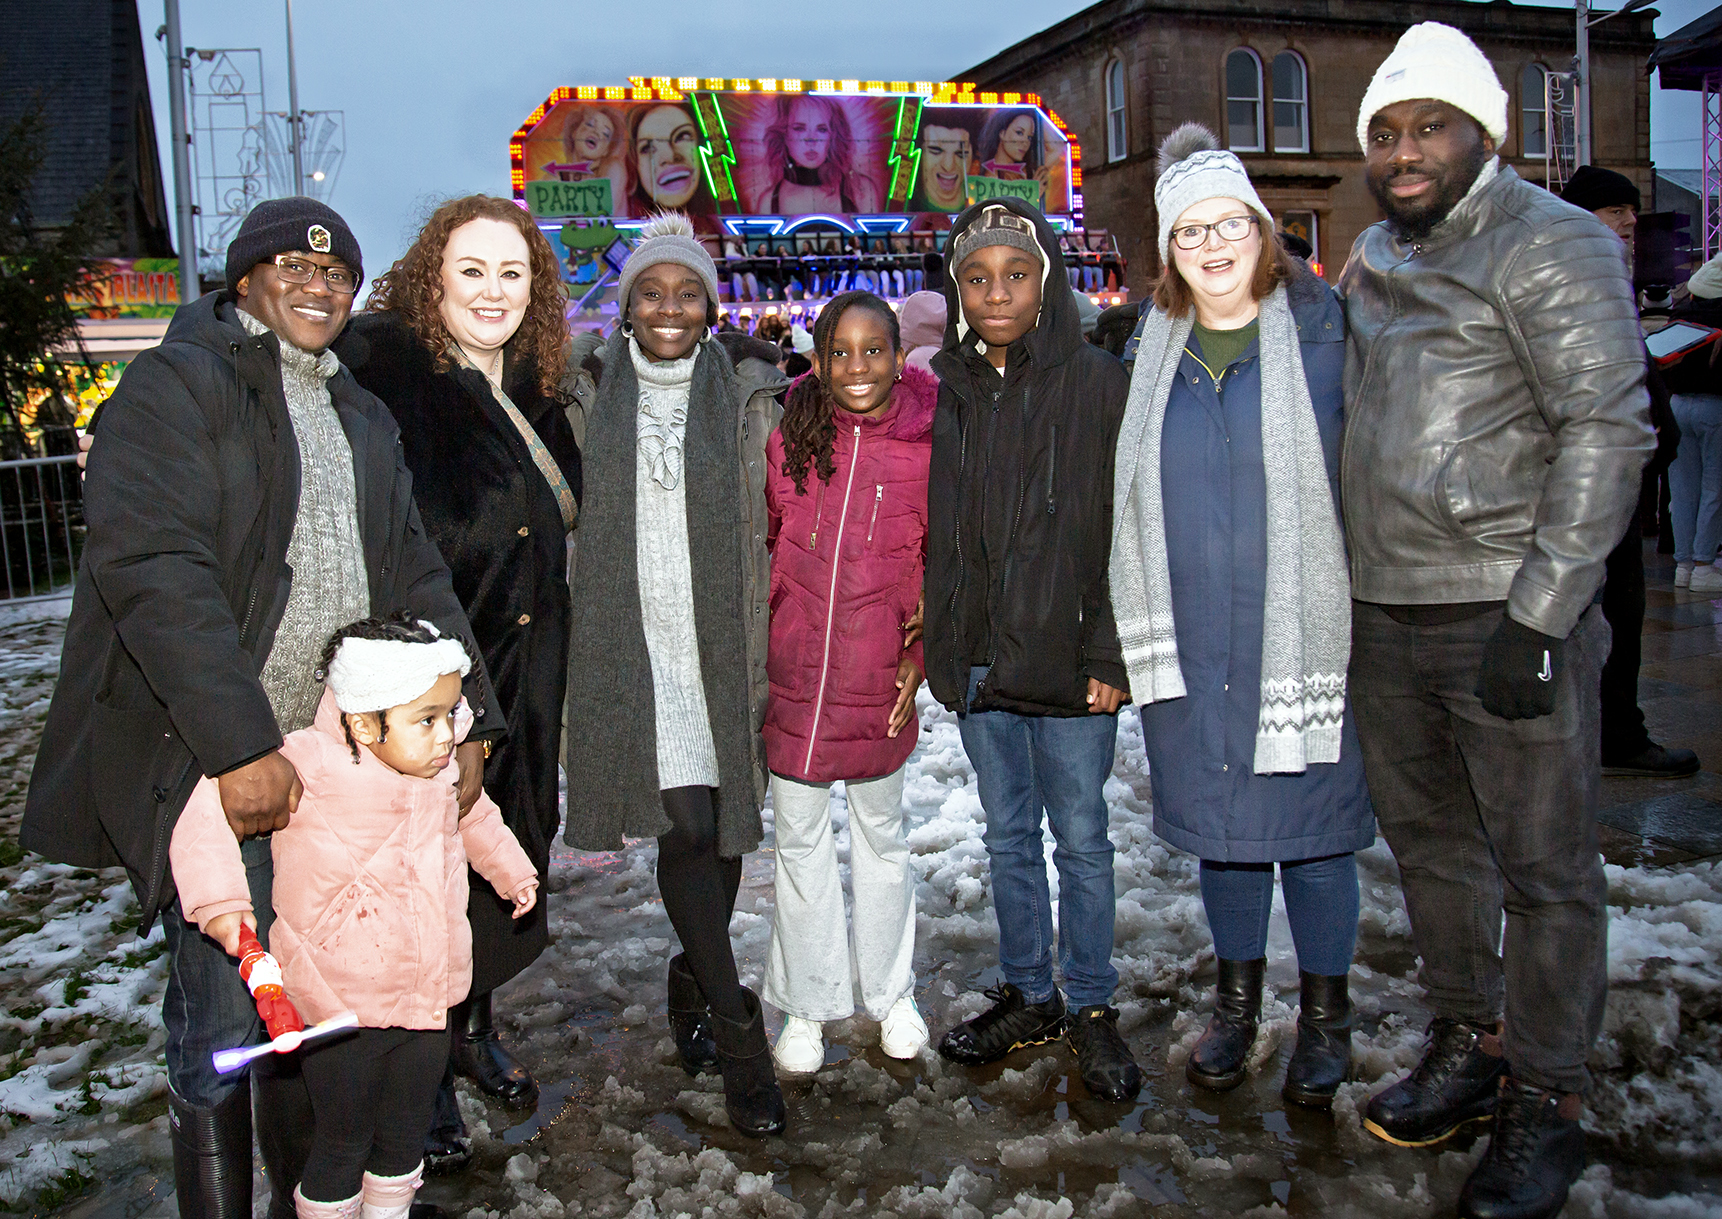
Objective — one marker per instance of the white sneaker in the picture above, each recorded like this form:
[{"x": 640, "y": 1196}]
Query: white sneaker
[
  {"x": 1706, "y": 579},
  {"x": 903, "y": 1034},
  {"x": 800, "y": 1048},
  {"x": 1683, "y": 575}
]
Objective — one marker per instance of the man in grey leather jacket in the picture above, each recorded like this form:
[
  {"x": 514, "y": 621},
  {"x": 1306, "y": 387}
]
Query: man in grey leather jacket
[{"x": 1496, "y": 426}]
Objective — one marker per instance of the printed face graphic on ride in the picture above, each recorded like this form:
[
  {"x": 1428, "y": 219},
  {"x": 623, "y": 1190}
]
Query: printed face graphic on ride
[
  {"x": 945, "y": 156},
  {"x": 809, "y": 133},
  {"x": 665, "y": 145}
]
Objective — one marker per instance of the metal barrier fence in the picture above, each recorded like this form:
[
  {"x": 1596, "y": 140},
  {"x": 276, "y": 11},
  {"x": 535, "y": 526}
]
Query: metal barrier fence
[{"x": 41, "y": 526}]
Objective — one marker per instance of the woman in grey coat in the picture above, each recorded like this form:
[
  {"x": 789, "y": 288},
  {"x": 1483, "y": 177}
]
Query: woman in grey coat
[
  {"x": 668, "y": 586},
  {"x": 1233, "y": 606}
]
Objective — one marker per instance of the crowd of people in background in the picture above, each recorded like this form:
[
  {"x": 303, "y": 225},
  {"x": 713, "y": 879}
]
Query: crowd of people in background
[{"x": 356, "y": 583}]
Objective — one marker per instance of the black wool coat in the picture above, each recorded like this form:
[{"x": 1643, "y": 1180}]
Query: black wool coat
[
  {"x": 190, "y": 502},
  {"x": 498, "y": 525}
]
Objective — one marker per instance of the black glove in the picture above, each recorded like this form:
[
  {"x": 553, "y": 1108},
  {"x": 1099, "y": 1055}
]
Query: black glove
[{"x": 1520, "y": 671}]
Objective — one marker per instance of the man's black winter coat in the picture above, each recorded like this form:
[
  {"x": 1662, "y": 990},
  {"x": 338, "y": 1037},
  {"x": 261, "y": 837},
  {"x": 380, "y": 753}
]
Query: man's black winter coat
[
  {"x": 190, "y": 502},
  {"x": 1019, "y": 508}
]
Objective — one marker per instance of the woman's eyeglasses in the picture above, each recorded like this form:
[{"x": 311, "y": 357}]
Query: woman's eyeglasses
[
  {"x": 302, "y": 271},
  {"x": 1195, "y": 236}
]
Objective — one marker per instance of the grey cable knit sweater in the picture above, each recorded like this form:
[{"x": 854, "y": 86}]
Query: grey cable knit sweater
[{"x": 329, "y": 587}]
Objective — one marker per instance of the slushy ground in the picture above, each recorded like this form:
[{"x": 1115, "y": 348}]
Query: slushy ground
[{"x": 620, "y": 1130}]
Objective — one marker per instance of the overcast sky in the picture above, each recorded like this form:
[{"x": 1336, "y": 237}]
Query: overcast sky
[{"x": 432, "y": 89}]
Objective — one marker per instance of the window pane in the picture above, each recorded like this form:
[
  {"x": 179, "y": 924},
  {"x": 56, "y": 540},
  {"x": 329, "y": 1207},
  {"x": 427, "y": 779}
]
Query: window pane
[
  {"x": 1288, "y": 127},
  {"x": 1241, "y": 124},
  {"x": 1535, "y": 134},
  {"x": 1532, "y": 119},
  {"x": 1241, "y": 76},
  {"x": 1531, "y": 85},
  {"x": 1115, "y": 135},
  {"x": 1288, "y": 78},
  {"x": 1115, "y": 86}
]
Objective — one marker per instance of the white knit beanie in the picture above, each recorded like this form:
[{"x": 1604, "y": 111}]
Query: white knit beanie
[
  {"x": 668, "y": 237},
  {"x": 1436, "y": 61},
  {"x": 1193, "y": 169}
]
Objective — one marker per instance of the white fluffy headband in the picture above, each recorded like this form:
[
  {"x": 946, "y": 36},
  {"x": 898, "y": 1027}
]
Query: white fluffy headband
[{"x": 376, "y": 674}]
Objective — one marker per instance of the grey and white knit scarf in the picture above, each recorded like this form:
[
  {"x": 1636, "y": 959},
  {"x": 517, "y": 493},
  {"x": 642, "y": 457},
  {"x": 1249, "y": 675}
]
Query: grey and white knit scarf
[{"x": 1306, "y": 631}]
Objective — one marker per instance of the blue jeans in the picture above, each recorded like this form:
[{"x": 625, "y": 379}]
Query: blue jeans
[
  {"x": 206, "y": 1007},
  {"x": 1033, "y": 766},
  {"x": 1321, "y": 906},
  {"x": 1695, "y": 478}
]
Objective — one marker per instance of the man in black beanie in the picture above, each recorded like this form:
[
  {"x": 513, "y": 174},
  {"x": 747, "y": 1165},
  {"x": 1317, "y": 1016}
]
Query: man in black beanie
[
  {"x": 246, "y": 499},
  {"x": 1626, "y": 745}
]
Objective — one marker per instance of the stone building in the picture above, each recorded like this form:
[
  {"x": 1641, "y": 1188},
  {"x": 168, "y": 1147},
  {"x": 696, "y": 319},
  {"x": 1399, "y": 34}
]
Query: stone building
[{"x": 1282, "y": 86}]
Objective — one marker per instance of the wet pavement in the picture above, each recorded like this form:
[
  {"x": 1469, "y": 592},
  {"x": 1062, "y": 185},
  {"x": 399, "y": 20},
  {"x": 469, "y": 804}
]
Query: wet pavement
[{"x": 620, "y": 1130}]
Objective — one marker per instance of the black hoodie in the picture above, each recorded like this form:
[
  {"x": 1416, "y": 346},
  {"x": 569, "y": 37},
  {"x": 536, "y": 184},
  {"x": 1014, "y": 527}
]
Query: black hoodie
[{"x": 1019, "y": 529}]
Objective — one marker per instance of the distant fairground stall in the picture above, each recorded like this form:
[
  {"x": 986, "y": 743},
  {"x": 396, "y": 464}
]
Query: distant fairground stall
[{"x": 800, "y": 188}]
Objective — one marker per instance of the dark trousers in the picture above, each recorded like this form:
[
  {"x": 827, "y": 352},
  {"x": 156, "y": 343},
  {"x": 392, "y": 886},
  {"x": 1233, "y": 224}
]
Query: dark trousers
[
  {"x": 1623, "y": 733},
  {"x": 206, "y": 1006},
  {"x": 1487, "y": 816},
  {"x": 699, "y": 888},
  {"x": 373, "y": 1091}
]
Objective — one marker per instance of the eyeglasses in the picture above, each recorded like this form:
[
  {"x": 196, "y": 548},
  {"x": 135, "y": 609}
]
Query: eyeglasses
[
  {"x": 1195, "y": 236},
  {"x": 293, "y": 270}
]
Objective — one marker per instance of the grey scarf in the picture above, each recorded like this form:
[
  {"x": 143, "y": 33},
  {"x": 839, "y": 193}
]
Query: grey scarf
[
  {"x": 611, "y": 749},
  {"x": 1306, "y": 621}
]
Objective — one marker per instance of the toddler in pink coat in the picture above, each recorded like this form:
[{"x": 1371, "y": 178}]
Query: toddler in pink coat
[
  {"x": 370, "y": 902},
  {"x": 846, "y": 497}
]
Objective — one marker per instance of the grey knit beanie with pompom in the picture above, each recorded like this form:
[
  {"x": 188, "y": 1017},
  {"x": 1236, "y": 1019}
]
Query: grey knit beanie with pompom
[
  {"x": 1193, "y": 168},
  {"x": 668, "y": 237}
]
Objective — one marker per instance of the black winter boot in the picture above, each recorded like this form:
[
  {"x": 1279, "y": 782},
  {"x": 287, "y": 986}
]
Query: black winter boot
[
  {"x": 1222, "y": 1056},
  {"x": 1102, "y": 1057},
  {"x": 1322, "y": 1058},
  {"x": 281, "y": 1115},
  {"x": 212, "y": 1156},
  {"x": 1454, "y": 1084},
  {"x": 690, "y": 1020},
  {"x": 750, "y": 1092},
  {"x": 479, "y": 1055},
  {"x": 1535, "y": 1155},
  {"x": 448, "y": 1147}
]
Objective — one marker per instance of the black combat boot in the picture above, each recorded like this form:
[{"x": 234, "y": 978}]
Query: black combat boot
[
  {"x": 751, "y": 1096},
  {"x": 1222, "y": 1056},
  {"x": 1454, "y": 1084},
  {"x": 690, "y": 1020},
  {"x": 1535, "y": 1155},
  {"x": 480, "y": 1056},
  {"x": 1322, "y": 1058},
  {"x": 212, "y": 1156}
]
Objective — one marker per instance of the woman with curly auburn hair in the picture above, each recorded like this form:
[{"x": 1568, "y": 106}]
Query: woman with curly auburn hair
[{"x": 463, "y": 341}]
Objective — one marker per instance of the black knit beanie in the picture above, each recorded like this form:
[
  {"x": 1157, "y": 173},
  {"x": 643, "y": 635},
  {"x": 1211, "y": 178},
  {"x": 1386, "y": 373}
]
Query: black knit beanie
[
  {"x": 1594, "y": 189},
  {"x": 283, "y": 226}
]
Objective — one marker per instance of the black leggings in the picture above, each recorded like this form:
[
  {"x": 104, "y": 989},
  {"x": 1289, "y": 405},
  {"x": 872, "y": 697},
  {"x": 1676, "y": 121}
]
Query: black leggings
[
  {"x": 372, "y": 1091},
  {"x": 699, "y": 888}
]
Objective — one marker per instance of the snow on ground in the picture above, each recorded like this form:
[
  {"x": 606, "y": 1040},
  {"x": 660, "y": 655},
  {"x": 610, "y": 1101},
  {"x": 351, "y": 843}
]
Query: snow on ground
[{"x": 620, "y": 1131}]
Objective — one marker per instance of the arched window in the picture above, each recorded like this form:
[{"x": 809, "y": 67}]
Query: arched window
[
  {"x": 1533, "y": 117},
  {"x": 1244, "y": 101},
  {"x": 1117, "y": 131},
  {"x": 1291, "y": 103}
]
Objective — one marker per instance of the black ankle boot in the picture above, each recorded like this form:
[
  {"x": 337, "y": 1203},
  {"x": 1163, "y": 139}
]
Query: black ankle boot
[
  {"x": 1454, "y": 1085},
  {"x": 690, "y": 1020},
  {"x": 448, "y": 1147},
  {"x": 212, "y": 1156},
  {"x": 750, "y": 1092},
  {"x": 1534, "y": 1156},
  {"x": 1220, "y": 1058},
  {"x": 281, "y": 1115},
  {"x": 1322, "y": 1058},
  {"x": 480, "y": 1056}
]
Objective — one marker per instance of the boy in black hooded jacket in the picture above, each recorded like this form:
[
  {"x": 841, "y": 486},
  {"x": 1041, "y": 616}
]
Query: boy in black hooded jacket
[{"x": 1020, "y": 640}]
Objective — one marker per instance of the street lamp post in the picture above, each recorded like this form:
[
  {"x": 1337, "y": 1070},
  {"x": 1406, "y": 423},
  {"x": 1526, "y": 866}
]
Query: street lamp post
[
  {"x": 1581, "y": 109},
  {"x": 294, "y": 128},
  {"x": 183, "y": 204}
]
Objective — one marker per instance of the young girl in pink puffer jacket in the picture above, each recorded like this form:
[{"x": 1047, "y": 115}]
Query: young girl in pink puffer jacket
[
  {"x": 846, "y": 494},
  {"x": 370, "y": 902}
]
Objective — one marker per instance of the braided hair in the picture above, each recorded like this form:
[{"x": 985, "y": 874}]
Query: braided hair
[
  {"x": 809, "y": 424},
  {"x": 402, "y": 626}
]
